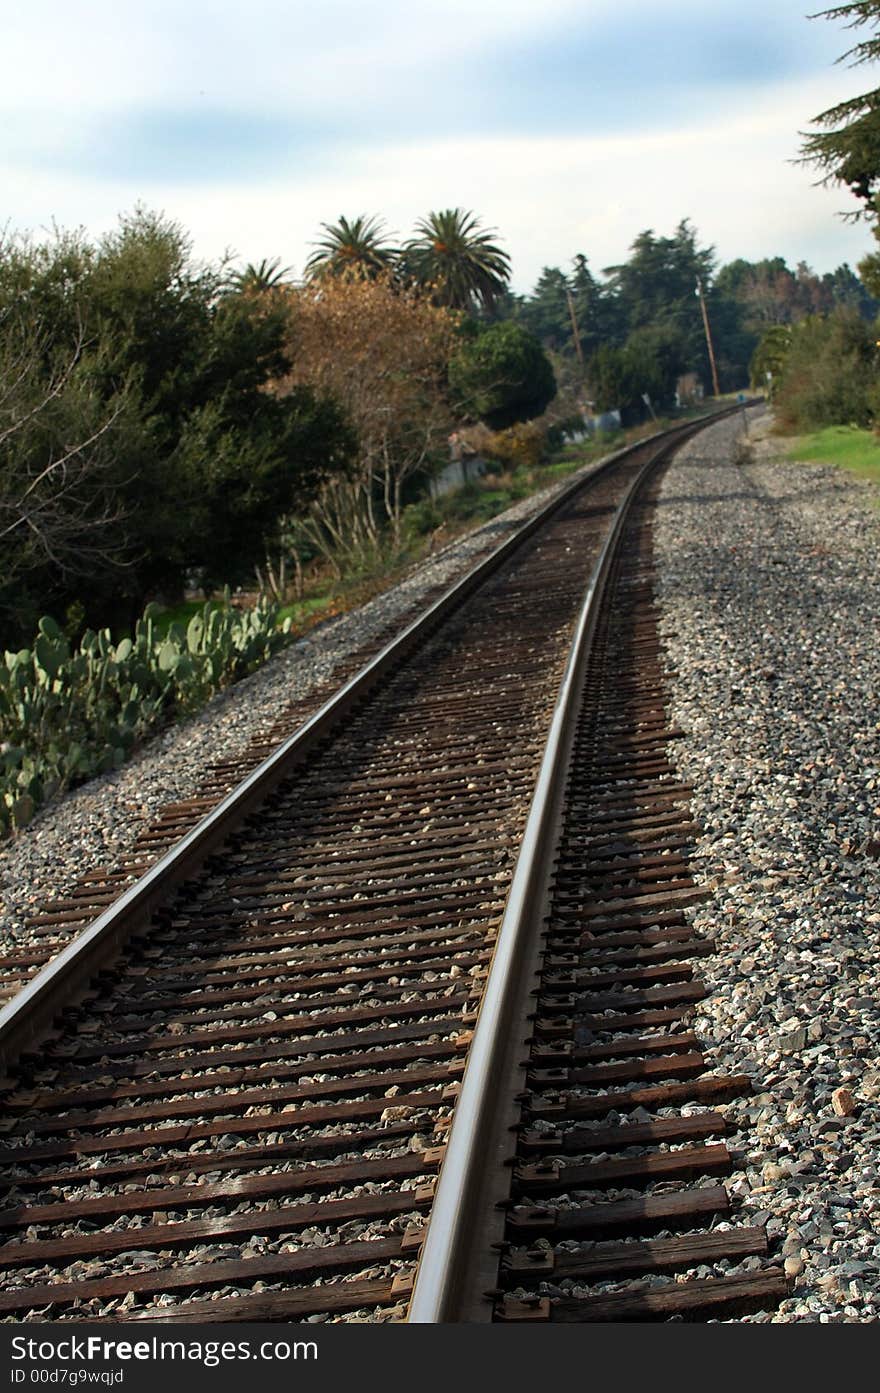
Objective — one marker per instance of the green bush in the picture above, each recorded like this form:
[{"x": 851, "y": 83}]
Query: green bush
[
  {"x": 828, "y": 375},
  {"x": 67, "y": 715}
]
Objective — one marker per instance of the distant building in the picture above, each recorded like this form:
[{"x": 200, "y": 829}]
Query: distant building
[
  {"x": 689, "y": 390},
  {"x": 465, "y": 463},
  {"x": 596, "y": 422}
]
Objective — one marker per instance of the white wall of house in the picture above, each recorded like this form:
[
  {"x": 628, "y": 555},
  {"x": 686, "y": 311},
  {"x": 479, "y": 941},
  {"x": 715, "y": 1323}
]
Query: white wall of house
[{"x": 458, "y": 472}]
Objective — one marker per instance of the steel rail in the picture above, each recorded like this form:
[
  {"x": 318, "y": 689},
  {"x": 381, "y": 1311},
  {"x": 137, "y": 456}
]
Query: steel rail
[
  {"x": 456, "y": 1264},
  {"x": 67, "y": 976}
]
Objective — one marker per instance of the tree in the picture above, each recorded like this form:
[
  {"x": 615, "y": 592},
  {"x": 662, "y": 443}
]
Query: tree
[
  {"x": 245, "y": 457},
  {"x": 734, "y": 335},
  {"x": 223, "y": 459},
  {"x": 768, "y": 293},
  {"x": 463, "y": 267},
  {"x": 239, "y": 483},
  {"x": 502, "y": 376},
  {"x": 359, "y": 246},
  {"x": 649, "y": 364},
  {"x": 597, "y": 310},
  {"x": 545, "y": 312},
  {"x": 751, "y": 297},
  {"x": 846, "y": 147},
  {"x": 658, "y": 356},
  {"x": 381, "y": 350},
  {"x": 60, "y": 449},
  {"x": 610, "y": 377},
  {"x": 256, "y": 280},
  {"x": 656, "y": 288},
  {"x": 198, "y": 468},
  {"x": 768, "y": 359},
  {"x": 848, "y": 291}
]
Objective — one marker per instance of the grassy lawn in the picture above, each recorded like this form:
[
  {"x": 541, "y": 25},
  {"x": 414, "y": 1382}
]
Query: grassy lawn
[{"x": 851, "y": 448}]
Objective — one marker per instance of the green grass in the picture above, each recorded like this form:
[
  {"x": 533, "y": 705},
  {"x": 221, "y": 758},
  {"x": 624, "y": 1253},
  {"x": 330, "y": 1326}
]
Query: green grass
[
  {"x": 309, "y": 609},
  {"x": 847, "y": 446}
]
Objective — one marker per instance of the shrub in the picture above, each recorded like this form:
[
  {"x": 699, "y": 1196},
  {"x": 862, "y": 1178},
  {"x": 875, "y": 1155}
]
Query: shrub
[
  {"x": 828, "y": 374},
  {"x": 519, "y": 447}
]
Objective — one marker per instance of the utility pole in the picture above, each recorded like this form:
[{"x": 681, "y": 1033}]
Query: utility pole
[
  {"x": 715, "y": 386},
  {"x": 574, "y": 328}
]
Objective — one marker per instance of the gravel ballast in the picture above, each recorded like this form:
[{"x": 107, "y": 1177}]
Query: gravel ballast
[{"x": 770, "y": 593}]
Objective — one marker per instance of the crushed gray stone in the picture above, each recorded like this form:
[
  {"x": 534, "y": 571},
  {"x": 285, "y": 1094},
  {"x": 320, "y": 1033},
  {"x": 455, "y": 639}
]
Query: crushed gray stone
[{"x": 770, "y": 591}]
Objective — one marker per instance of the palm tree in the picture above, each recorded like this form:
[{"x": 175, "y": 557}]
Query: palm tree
[
  {"x": 462, "y": 263},
  {"x": 267, "y": 276},
  {"x": 358, "y": 247}
]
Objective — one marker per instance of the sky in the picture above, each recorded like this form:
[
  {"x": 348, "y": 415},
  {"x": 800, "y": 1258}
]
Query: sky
[{"x": 569, "y": 126}]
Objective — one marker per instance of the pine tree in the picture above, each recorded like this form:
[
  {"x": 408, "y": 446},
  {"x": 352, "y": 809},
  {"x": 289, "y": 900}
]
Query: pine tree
[{"x": 846, "y": 147}]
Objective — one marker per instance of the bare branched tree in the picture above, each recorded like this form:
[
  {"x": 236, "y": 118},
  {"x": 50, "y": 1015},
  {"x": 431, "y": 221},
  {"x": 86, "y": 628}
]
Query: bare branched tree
[{"x": 59, "y": 507}]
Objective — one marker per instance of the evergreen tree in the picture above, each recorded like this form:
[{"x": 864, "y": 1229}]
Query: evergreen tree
[
  {"x": 656, "y": 289},
  {"x": 846, "y": 147},
  {"x": 545, "y": 312}
]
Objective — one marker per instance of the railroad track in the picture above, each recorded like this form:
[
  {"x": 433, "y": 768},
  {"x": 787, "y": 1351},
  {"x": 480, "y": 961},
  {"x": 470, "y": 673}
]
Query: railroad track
[{"x": 231, "y": 1099}]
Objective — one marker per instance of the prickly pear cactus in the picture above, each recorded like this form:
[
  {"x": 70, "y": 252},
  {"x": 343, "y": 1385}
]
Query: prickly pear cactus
[{"x": 66, "y": 716}]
